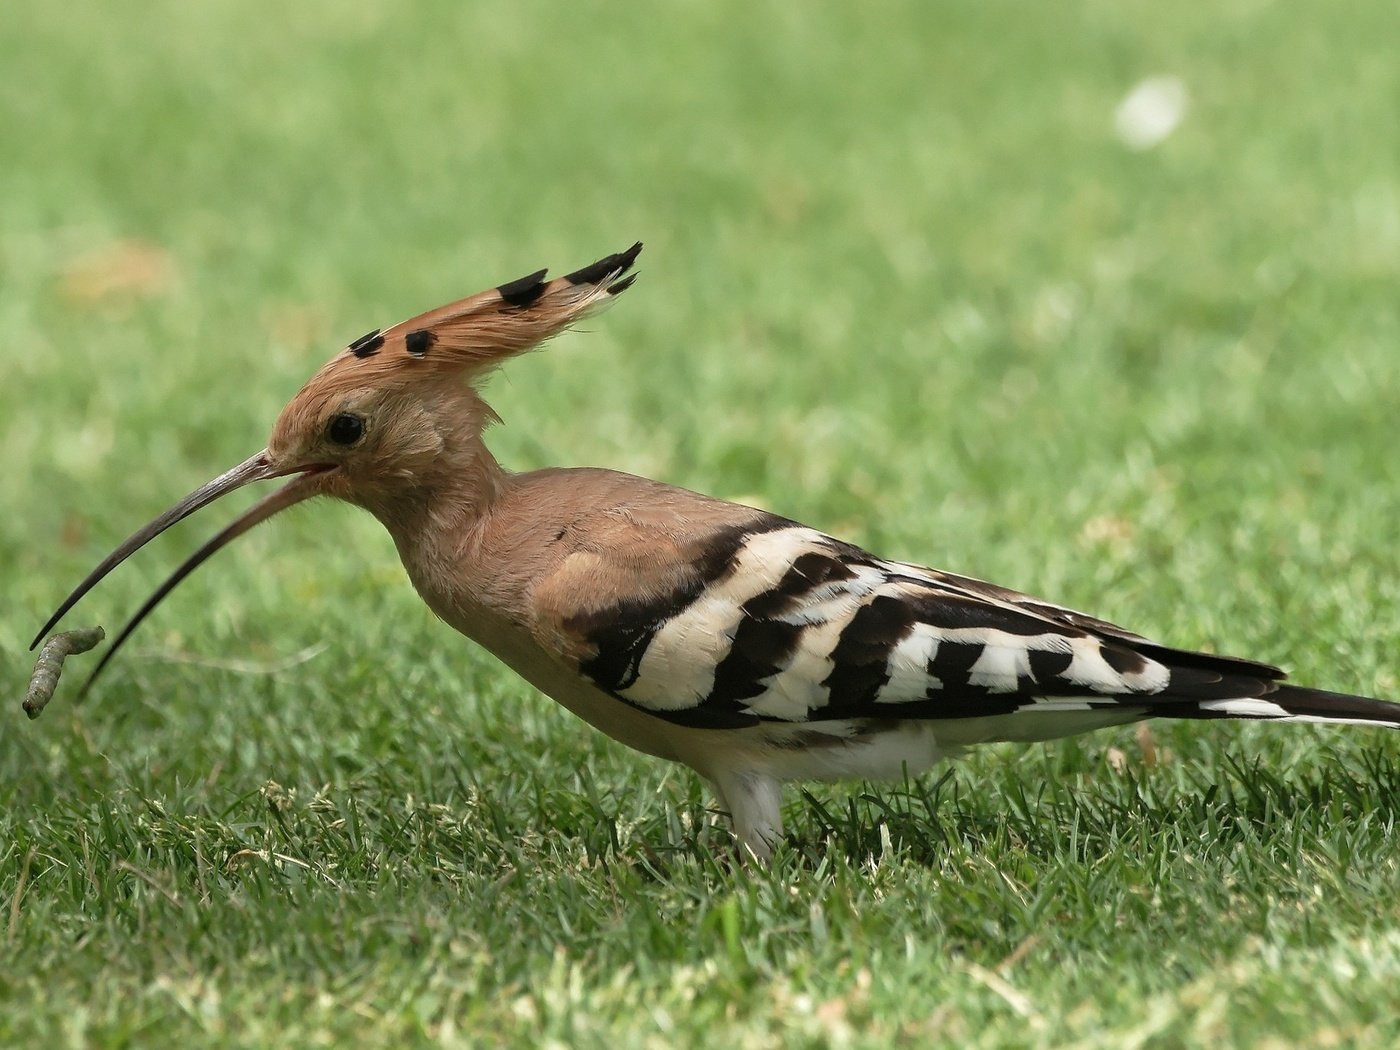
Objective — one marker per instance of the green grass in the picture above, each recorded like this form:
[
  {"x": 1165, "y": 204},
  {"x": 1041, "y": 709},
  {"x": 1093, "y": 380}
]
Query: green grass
[{"x": 901, "y": 282}]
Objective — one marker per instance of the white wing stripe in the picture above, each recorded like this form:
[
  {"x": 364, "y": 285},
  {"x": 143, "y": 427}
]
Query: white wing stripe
[
  {"x": 908, "y": 666},
  {"x": 1003, "y": 664},
  {"x": 677, "y": 671}
]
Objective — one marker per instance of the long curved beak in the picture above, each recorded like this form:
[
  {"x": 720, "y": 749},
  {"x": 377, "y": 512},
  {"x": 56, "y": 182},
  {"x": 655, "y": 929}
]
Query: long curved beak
[{"x": 307, "y": 483}]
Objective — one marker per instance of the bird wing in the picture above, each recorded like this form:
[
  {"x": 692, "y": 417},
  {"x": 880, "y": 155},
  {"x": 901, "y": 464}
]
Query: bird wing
[{"x": 779, "y": 622}]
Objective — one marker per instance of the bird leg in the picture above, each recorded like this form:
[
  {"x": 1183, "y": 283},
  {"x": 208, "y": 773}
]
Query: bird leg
[{"x": 754, "y": 802}]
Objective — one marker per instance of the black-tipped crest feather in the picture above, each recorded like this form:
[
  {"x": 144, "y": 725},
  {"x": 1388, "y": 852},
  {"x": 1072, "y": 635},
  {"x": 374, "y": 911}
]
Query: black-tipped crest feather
[
  {"x": 618, "y": 263},
  {"x": 525, "y": 290}
]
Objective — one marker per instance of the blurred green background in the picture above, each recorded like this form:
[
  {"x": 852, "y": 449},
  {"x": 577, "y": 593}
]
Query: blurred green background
[{"x": 923, "y": 275}]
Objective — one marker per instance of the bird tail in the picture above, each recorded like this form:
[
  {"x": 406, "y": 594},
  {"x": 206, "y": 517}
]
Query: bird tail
[{"x": 1291, "y": 703}]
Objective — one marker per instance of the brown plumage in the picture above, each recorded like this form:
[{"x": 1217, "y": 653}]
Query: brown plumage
[{"x": 751, "y": 648}]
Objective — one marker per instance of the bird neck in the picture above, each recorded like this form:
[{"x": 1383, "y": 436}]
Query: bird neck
[{"x": 432, "y": 508}]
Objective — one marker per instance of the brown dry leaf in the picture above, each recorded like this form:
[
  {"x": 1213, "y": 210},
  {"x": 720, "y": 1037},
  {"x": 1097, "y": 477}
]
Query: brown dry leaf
[
  {"x": 72, "y": 532},
  {"x": 786, "y": 201},
  {"x": 832, "y": 1013},
  {"x": 1117, "y": 760},
  {"x": 127, "y": 269},
  {"x": 299, "y": 327},
  {"x": 1152, "y": 755},
  {"x": 1107, "y": 528}
]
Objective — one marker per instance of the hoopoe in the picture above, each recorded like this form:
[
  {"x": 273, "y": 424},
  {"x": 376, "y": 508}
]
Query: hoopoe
[{"x": 751, "y": 648}]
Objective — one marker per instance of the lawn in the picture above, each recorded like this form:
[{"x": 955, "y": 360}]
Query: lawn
[{"x": 905, "y": 281}]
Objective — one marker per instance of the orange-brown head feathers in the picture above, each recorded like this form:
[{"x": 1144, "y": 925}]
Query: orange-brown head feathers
[{"x": 398, "y": 406}]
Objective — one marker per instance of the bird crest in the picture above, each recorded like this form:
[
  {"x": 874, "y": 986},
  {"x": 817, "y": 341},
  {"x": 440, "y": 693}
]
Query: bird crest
[{"x": 472, "y": 335}]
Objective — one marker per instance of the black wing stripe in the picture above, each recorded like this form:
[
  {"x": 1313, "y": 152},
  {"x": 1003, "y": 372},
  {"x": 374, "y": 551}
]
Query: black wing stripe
[
  {"x": 761, "y": 648},
  {"x": 862, "y": 654},
  {"x": 764, "y": 642},
  {"x": 809, "y": 571},
  {"x": 621, "y": 634},
  {"x": 952, "y": 666},
  {"x": 1049, "y": 665}
]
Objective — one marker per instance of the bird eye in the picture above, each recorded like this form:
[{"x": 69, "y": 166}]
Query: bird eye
[{"x": 345, "y": 429}]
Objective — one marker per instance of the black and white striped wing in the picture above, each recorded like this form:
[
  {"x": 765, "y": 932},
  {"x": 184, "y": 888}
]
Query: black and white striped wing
[{"x": 791, "y": 625}]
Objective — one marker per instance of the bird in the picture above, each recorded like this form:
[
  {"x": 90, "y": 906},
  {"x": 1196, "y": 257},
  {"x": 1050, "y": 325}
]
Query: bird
[{"x": 749, "y": 647}]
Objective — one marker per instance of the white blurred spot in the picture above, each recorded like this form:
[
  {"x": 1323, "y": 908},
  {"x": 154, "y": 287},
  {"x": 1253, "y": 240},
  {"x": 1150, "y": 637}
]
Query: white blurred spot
[{"x": 1150, "y": 112}]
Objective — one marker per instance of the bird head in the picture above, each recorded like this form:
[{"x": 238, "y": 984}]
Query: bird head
[{"x": 395, "y": 411}]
